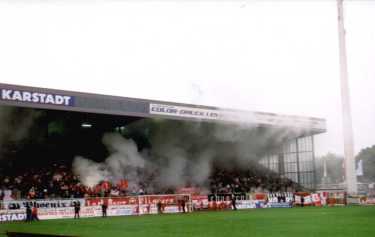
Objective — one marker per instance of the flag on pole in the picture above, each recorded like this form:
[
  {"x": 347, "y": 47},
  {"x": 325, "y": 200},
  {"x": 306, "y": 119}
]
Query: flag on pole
[{"x": 359, "y": 170}]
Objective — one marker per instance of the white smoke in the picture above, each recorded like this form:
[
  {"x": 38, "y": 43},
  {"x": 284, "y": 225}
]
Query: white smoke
[
  {"x": 181, "y": 153},
  {"x": 90, "y": 172},
  {"x": 200, "y": 169},
  {"x": 123, "y": 163},
  {"x": 173, "y": 173}
]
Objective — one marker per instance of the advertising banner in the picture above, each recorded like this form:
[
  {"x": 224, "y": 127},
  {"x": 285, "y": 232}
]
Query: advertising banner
[
  {"x": 229, "y": 115},
  {"x": 308, "y": 200},
  {"x": 219, "y": 205},
  {"x": 200, "y": 202},
  {"x": 184, "y": 111},
  {"x": 336, "y": 198},
  {"x": 36, "y": 97},
  {"x": 12, "y": 215},
  {"x": 246, "y": 204},
  {"x": 316, "y": 199},
  {"x": 370, "y": 201},
  {"x": 279, "y": 205},
  {"x": 93, "y": 211},
  {"x": 68, "y": 212},
  {"x": 259, "y": 196},
  {"x": 60, "y": 213},
  {"x": 55, "y": 203},
  {"x": 297, "y": 200},
  {"x": 164, "y": 199},
  {"x": 112, "y": 201}
]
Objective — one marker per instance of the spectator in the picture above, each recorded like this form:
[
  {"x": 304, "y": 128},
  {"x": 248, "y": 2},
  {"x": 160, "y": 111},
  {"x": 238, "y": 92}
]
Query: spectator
[{"x": 34, "y": 214}]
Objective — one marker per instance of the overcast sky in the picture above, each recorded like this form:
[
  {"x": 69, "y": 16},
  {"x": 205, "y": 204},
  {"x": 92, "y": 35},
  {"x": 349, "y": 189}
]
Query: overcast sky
[{"x": 273, "y": 56}]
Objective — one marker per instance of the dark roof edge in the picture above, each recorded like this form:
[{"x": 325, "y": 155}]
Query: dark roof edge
[{"x": 89, "y": 94}]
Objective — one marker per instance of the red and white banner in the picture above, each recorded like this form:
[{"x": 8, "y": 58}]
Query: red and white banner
[
  {"x": 112, "y": 201},
  {"x": 370, "y": 201},
  {"x": 200, "y": 202},
  {"x": 316, "y": 199}
]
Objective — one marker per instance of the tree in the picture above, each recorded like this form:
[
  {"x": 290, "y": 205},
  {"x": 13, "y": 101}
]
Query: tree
[
  {"x": 334, "y": 165},
  {"x": 367, "y": 156}
]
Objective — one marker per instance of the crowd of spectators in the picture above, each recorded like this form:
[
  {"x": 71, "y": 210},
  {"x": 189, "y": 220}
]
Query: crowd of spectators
[
  {"x": 58, "y": 181},
  {"x": 256, "y": 179}
]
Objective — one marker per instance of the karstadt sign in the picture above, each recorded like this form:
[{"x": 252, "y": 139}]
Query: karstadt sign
[{"x": 36, "y": 97}]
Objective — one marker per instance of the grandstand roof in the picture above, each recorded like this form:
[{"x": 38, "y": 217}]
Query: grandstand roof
[{"x": 42, "y": 98}]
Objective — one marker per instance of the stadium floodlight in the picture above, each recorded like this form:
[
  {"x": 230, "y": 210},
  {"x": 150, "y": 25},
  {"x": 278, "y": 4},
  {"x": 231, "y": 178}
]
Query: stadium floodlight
[
  {"x": 350, "y": 174},
  {"x": 86, "y": 125}
]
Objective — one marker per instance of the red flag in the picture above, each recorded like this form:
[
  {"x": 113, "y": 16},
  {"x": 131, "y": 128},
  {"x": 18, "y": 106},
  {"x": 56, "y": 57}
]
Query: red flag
[
  {"x": 123, "y": 184},
  {"x": 106, "y": 185}
]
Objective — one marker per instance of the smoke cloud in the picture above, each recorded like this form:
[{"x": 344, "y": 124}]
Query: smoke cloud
[
  {"x": 91, "y": 172},
  {"x": 15, "y": 125},
  {"x": 181, "y": 154}
]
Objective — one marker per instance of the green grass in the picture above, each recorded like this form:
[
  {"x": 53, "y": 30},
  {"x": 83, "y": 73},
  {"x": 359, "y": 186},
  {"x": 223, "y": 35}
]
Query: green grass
[{"x": 301, "y": 222}]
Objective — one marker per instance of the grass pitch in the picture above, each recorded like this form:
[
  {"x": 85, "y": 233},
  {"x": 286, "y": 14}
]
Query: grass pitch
[{"x": 306, "y": 222}]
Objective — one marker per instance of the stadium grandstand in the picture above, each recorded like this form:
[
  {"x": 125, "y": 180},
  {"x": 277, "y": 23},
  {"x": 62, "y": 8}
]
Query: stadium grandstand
[{"x": 64, "y": 145}]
